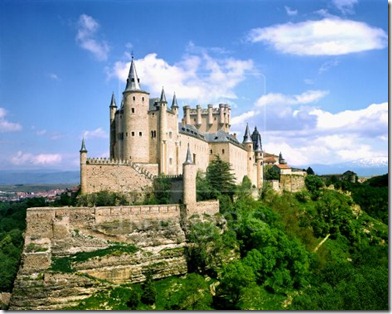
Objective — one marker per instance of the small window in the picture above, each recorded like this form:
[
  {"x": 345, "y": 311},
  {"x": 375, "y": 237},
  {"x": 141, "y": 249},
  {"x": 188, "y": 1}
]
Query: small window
[
  {"x": 170, "y": 134},
  {"x": 194, "y": 158},
  {"x": 142, "y": 99},
  {"x": 133, "y": 133},
  {"x": 211, "y": 151},
  {"x": 133, "y": 98},
  {"x": 170, "y": 161},
  {"x": 250, "y": 158},
  {"x": 126, "y": 134},
  {"x": 140, "y": 133},
  {"x": 133, "y": 110},
  {"x": 223, "y": 151}
]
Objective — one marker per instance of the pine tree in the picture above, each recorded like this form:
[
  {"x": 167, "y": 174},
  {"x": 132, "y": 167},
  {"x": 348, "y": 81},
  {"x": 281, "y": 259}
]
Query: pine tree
[{"x": 220, "y": 177}]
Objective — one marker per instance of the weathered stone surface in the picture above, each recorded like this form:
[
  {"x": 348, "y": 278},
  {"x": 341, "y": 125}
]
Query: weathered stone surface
[{"x": 51, "y": 233}]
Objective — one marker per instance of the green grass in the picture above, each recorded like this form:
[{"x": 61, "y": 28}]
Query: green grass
[{"x": 64, "y": 264}]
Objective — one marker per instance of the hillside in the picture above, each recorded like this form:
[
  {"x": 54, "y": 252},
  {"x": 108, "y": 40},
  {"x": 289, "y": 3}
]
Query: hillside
[{"x": 313, "y": 250}]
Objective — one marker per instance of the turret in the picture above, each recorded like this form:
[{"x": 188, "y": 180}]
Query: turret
[
  {"x": 189, "y": 179},
  {"x": 83, "y": 163},
  {"x": 281, "y": 159},
  {"x": 112, "y": 111},
  {"x": 174, "y": 105},
  {"x": 198, "y": 117},
  {"x": 187, "y": 115},
  {"x": 248, "y": 145},
  {"x": 162, "y": 133},
  {"x": 135, "y": 130},
  {"x": 210, "y": 117}
]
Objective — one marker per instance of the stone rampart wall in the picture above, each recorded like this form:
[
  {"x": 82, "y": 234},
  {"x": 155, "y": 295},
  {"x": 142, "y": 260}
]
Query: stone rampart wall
[
  {"x": 115, "y": 177},
  {"x": 292, "y": 182}
]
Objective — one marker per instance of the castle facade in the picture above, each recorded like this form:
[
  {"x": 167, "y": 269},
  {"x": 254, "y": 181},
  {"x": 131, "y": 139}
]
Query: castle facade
[{"x": 148, "y": 139}]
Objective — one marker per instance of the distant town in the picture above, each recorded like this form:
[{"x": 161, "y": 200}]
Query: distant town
[{"x": 19, "y": 192}]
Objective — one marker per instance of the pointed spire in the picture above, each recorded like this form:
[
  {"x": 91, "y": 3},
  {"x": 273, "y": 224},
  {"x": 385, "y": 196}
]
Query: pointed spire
[
  {"x": 281, "y": 159},
  {"x": 174, "y": 102},
  {"x": 133, "y": 80},
  {"x": 247, "y": 137},
  {"x": 256, "y": 139},
  {"x": 163, "y": 97},
  {"x": 188, "y": 160},
  {"x": 83, "y": 148},
  {"x": 113, "y": 101}
]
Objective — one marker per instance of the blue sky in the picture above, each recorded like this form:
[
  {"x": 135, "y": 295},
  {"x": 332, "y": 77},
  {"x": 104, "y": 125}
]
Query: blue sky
[{"x": 311, "y": 75}]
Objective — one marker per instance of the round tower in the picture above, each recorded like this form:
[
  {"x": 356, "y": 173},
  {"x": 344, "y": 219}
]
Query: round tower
[
  {"x": 248, "y": 145},
  {"x": 135, "y": 120},
  {"x": 189, "y": 179},
  {"x": 163, "y": 133},
  {"x": 83, "y": 163}
]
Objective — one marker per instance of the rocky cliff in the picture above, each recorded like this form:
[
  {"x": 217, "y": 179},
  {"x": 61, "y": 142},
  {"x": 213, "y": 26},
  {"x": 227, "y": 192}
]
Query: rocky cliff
[{"x": 71, "y": 253}]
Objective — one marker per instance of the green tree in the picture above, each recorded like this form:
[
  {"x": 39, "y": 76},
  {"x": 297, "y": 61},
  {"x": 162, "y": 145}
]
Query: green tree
[
  {"x": 220, "y": 178},
  {"x": 149, "y": 292}
]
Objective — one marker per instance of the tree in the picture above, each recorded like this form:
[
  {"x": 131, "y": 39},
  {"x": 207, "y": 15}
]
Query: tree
[
  {"x": 272, "y": 173},
  {"x": 313, "y": 184},
  {"x": 149, "y": 292},
  {"x": 220, "y": 177}
]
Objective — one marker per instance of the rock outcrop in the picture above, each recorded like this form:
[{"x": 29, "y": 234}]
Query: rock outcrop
[{"x": 72, "y": 253}]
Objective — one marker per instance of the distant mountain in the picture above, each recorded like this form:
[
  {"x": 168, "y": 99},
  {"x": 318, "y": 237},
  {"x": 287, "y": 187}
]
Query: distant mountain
[
  {"x": 362, "y": 167},
  {"x": 12, "y": 177}
]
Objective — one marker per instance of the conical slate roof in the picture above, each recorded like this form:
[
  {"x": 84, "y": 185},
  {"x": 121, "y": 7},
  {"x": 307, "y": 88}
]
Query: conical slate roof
[
  {"x": 113, "y": 101},
  {"x": 174, "y": 102},
  {"x": 247, "y": 137},
  {"x": 133, "y": 80},
  {"x": 83, "y": 148},
  {"x": 188, "y": 159},
  {"x": 163, "y": 97}
]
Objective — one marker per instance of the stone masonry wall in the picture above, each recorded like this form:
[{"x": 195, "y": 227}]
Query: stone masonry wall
[
  {"x": 292, "y": 182},
  {"x": 116, "y": 178}
]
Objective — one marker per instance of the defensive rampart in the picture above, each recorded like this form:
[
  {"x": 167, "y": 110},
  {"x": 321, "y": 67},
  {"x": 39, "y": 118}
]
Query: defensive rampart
[{"x": 145, "y": 238}]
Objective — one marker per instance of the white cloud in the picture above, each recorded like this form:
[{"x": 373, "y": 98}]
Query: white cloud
[
  {"x": 86, "y": 37},
  {"x": 5, "y": 125},
  {"x": 39, "y": 159},
  {"x": 329, "y": 36},
  {"x": 97, "y": 133},
  {"x": 198, "y": 76},
  {"x": 305, "y": 134},
  {"x": 307, "y": 97},
  {"x": 345, "y": 6},
  {"x": 327, "y": 65},
  {"x": 290, "y": 12}
]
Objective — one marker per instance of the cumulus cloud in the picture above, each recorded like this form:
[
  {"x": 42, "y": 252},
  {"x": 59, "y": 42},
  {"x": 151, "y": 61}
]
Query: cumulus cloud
[
  {"x": 307, "y": 134},
  {"x": 329, "y": 36},
  {"x": 86, "y": 37},
  {"x": 345, "y": 6},
  {"x": 22, "y": 158},
  {"x": 198, "y": 76},
  {"x": 7, "y": 126},
  {"x": 97, "y": 133},
  {"x": 307, "y": 97}
]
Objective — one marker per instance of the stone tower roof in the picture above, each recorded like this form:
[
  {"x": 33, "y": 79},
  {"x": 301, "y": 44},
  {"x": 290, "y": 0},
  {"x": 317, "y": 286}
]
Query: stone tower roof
[
  {"x": 83, "y": 148},
  {"x": 113, "y": 101},
  {"x": 174, "y": 102},
  {"x": 256, "y": 139},
  {"x": 188, "y": 159},
  {"x": 163, "y": 96},
  {"x": 247, "y": 137},
  {"x": 133, "y": 80}
]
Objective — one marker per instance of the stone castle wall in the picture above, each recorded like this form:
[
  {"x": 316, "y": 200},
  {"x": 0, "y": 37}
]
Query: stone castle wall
[
  {"x": 58, "y": 232},
  {"x": 106, "y": 175},
  {"x": 292, "y": 182}
]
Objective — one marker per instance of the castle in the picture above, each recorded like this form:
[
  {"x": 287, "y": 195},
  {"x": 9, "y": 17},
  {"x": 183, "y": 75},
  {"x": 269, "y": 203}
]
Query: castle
[{"x": 147, "y": 140}]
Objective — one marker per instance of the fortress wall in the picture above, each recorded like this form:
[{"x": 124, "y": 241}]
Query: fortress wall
[
  {"x": 292, "y": 182},
  {"x": 206, "y": 207},
  {"x": 115, "y": 178}
]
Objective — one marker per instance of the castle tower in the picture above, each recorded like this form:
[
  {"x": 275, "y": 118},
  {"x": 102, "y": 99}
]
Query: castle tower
[
  {"x": 189, "y": 179},
  {"x": 83, "y": 162},
  {"x": 112, "y": 111},
  {"x": 174, "y": 106},
  {"x": 258, "y": 149},
  {"x": 163, "y": 133},
  {"x": 248, "y": 145},
  {"x": 135, "y": 131}
]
